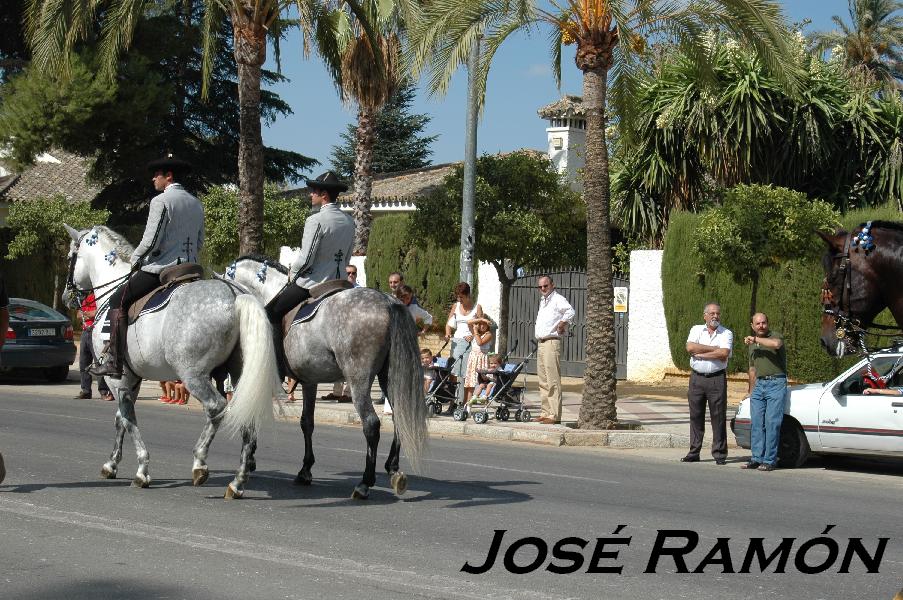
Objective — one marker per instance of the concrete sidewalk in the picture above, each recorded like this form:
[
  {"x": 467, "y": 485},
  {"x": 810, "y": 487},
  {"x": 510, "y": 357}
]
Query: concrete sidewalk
[{"x": 651, "y": 416}]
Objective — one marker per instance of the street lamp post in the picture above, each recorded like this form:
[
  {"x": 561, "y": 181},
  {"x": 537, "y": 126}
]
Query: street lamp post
[{"x": 470, "y": 166}]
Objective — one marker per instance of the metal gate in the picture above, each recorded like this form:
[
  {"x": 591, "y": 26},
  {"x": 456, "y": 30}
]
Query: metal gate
[{"x": 572, "y": 285}]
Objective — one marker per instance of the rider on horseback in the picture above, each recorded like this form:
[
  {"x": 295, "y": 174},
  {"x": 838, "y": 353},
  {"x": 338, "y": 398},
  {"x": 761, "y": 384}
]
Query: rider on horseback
[
  {"x": 325, "y": 250},
  {"x": 174, "y": 234}
]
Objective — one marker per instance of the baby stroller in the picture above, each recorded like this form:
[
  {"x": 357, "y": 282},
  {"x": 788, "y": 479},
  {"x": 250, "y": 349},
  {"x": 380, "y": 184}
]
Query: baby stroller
[
  {"x": 504, "y": 397},
  {"x": 442, "y": 390}
]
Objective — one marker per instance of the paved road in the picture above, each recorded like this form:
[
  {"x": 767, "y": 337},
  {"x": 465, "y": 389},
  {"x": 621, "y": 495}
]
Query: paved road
[{"x": 67, "y": 533}]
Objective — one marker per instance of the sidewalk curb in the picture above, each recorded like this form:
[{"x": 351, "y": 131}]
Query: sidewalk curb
[{"x": 549, "y": 435}]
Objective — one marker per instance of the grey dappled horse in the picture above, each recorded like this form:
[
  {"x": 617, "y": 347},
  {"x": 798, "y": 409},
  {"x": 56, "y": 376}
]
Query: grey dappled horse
[
  {"x": 356, "y": 335},
  {"x": 207, "y": 326}
]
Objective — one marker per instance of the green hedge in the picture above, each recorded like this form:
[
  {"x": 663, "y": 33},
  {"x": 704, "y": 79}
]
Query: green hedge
[
  {"x": 789, "y": 295},
  {"x": 431, "y": 271}
]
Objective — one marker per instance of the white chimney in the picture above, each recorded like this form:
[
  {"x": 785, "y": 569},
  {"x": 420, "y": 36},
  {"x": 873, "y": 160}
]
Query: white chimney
[{"x": 567, "y": 137}]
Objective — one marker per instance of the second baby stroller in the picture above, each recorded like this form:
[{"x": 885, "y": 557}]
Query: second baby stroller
[{"x": 503, "y": 398}]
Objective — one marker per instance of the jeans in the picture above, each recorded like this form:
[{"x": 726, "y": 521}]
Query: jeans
[{"x": 766, "y": 404}]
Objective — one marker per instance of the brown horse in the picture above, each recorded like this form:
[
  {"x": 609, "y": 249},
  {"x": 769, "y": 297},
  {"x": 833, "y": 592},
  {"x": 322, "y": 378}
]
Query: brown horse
[{"x": 863, "y": 275}]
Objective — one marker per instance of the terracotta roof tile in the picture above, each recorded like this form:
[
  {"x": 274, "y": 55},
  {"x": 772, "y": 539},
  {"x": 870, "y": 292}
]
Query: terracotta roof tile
[{"x": 61, "y": 173}]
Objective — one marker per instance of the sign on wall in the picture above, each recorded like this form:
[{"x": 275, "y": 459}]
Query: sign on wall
[{"x": 620, "y": 299}]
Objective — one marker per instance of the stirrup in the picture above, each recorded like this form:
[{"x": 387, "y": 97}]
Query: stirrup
[{"x": 108, "y": 368}]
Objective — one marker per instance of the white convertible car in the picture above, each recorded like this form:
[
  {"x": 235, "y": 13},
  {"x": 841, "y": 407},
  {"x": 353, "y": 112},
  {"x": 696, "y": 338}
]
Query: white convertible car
[{"x": 836, "y": 418}]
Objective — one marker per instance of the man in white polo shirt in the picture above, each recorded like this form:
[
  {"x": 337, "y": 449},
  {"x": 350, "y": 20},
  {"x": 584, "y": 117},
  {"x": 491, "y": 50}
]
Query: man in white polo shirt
[
  {"x": 709, "y": 346},
  {"x": 552, "y": 320}
]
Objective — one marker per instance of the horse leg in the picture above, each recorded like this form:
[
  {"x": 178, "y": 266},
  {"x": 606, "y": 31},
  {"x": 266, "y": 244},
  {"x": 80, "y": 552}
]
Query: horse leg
[
  {"x": 214, "y": 404},
  {"x": 397, "y": 479},
  {"x": 110, "y": 468},
  {"x": 360, "y": 393},
  {"x": 236, "y": 488},
  {"x": 128, "y": 391},
  {"x": 309, "y": 394}
]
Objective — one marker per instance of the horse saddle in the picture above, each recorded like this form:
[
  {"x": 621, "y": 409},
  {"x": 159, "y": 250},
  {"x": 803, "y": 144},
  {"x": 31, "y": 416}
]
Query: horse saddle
[
  {"x": 308, "y": 308},
  {"x": 170, "y": 279}
]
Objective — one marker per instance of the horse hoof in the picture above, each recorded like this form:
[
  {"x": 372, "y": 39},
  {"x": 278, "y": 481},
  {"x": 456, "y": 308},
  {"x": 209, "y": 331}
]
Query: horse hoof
[
  {"x": 232, "y": 493},
  {"x": 361, "y": 492},
  {"x": 108, "y": 472},
  {"x": 399, "y": 482},
  {"x": 303, "y": 479},
  {"x": 199, "y": 476},
  {"x": 141, "y": 482}
]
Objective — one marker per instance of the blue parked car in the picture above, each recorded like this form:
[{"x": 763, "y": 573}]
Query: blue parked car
[{"x": 39, "y": 339}]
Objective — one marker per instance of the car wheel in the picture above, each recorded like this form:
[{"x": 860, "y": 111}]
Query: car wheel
[{"x": 793, "y": 450}]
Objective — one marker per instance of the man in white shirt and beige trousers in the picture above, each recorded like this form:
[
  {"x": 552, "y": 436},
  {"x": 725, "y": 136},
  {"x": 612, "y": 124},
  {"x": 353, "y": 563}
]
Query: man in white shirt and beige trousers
[
  {"x": 552, "y": 320},
  {"x": 709, "y": 346}
]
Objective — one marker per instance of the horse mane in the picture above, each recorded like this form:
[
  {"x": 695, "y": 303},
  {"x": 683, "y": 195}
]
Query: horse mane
[
  {"x": 269, "y": 262},
  {"x": 892, "y": 225},
  {"x": 122, "y": 246}
]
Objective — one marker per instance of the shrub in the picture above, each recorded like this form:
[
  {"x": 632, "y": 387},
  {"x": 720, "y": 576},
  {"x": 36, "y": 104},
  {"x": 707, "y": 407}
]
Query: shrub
[
  {"x": 789, "y": 294},
  {"x": 431, "y": 270}
]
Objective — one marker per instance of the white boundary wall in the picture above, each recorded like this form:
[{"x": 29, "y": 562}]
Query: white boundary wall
[{"x": 648, "y": 354}]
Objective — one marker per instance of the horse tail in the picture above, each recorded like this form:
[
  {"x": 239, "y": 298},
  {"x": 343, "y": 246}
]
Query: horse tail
[
  {"x": 252, "y": 400},
  {"x": 405, "y": 383}
]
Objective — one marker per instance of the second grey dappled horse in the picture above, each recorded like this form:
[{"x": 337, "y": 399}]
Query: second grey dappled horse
[
  {"x": 356, "y": 335},
  {"x": 207, "y": 326}
]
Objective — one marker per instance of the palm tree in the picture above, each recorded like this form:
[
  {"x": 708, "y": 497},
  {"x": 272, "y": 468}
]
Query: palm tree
[
  {"x": 611, "y": 38},
  {"x": 369, "y": 76},
  {"x": 873, "y": 40},
  {"x": 55, "y": 27}
]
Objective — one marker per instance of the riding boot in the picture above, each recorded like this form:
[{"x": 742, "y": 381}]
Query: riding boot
[
  {"x": 278, "y": 342},
  {"x": 112, "y": 364}
]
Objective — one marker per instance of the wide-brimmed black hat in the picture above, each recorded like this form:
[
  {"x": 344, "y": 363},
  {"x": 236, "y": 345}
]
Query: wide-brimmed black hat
[
  {"x": 170, "y": 163},
  {"x": 328, "y": 181}
]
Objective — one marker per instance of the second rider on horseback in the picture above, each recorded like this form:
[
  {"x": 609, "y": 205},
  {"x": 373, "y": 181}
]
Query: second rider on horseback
[{"x": 325, "y": 250}]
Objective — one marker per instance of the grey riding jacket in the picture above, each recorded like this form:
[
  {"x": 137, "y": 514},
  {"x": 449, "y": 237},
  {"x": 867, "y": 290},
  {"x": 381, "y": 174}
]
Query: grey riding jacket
[
  {"x": 174, "y": 232},
  {"x": 325, "y": 247}
]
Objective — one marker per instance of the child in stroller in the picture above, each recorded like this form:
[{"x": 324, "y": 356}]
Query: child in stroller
[
  {"x": 502, "y": 396},
  {"x": 442, "y": 387},
  {"x": 486, "y": 379}
]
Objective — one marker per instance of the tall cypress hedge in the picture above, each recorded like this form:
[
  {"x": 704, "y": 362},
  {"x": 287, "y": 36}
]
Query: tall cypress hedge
[
  {"x": 789, "y": 295},
  {"x": 432, "y": 271}
]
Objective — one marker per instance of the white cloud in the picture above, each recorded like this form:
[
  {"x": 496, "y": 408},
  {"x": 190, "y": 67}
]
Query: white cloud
[{"x": 539, "y": 70}]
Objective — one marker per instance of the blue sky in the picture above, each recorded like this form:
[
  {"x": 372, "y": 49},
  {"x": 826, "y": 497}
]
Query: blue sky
[{"x": 520, "y": 82}]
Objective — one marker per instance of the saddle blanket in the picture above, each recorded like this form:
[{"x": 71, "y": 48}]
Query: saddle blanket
[{"x": 157, "y": 302}]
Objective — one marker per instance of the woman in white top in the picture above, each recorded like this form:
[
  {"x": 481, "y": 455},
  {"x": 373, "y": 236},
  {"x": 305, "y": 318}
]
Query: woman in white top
[{"x": 457, "y": 330}]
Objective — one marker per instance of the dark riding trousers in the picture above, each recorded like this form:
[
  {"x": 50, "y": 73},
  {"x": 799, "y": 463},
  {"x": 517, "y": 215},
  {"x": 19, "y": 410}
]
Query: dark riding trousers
[
  {"x": 288, "y": 299},
  {"x": 139, "y": 284}
]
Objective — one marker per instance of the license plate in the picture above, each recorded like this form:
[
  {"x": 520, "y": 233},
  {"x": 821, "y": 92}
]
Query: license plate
[{"x": 42, "y": 332}]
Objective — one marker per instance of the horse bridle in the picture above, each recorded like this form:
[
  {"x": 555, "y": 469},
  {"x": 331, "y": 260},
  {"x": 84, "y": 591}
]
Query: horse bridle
[
  {"x": 70, "y": 277},
  {"x": 844, "y": 322}
]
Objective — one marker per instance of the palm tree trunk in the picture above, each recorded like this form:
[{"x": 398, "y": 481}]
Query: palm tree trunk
[
  {"x": 598, "y": 409},
  {"x": 250, "y": 54},
  {"x": 365, "y": 137}
]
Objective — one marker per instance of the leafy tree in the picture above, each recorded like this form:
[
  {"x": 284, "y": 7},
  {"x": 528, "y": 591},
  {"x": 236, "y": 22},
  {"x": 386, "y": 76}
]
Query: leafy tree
[
  {"x": 154, "y": 106},
  {"x": 759, "y": 227},
  {"x": 612, "y": 45},
  {"x": 836, "y": 138},
  {"x": 283, "y": 223},
  {"x": 525, "y": 217},
  {"x": 38, "y": 225},
  {"x": 13, "y": 49},
  {"x": 873, "y": 41},
  {"x": 399, "y": 143},
  {"x": 55, "y": 28}
]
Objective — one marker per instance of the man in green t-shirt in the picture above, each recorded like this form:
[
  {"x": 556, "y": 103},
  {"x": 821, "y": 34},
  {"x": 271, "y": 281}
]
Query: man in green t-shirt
[{"x": 767, "y": 392}]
